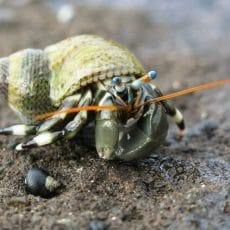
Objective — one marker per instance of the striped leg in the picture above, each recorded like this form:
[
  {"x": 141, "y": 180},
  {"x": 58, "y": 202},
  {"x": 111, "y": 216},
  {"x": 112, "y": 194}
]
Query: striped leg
[
  {"x": 68, "y": 103},
  {"x": 44, "y": 138},
  {"x": 172, "y": 112},
  {"x": 24, "y": 130},
  {"x": 19, "y": 130},
  {"x": 69, "y": 131}
]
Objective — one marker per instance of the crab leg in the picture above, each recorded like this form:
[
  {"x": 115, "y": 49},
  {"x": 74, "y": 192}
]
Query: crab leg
[
  {"x": 19, "y": 130},
  {"x": 171, "y": 111},
  {"x": 23, "y": 130},
  {"x": 69, "y": 102},
  {"x": 44, "y": 138},
  {"x": 70, "y": 130}
]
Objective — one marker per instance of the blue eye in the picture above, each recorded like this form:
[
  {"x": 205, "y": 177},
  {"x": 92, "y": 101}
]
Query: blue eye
[
  {"x": 152, "y": 74},
  {"x": 116, "y": 80}
]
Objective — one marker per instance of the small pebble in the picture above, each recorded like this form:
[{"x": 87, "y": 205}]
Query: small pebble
[{"x": 39, "y": 183}]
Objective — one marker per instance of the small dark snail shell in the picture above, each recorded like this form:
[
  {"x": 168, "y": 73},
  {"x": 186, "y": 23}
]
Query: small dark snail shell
[{"x": 39, "y": 183}]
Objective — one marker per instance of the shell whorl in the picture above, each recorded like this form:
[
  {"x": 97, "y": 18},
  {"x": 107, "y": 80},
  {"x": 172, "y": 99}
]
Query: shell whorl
[
  {"x": 4, "y": 77},
  {"x": 28, "y": 83}
]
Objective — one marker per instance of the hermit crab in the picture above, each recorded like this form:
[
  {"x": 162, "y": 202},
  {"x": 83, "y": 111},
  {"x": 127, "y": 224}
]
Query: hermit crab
[{"x": 63, "y": 82}]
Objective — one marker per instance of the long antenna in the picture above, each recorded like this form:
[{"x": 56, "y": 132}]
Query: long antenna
[
  {"x": 78, "y": 109},
  {"x": 186, "y": 91},
  {"x": 126, "y": 108}
]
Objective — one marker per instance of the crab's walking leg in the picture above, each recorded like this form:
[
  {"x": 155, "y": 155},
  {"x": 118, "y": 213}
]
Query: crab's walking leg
[
  {"x": 70, "y": 130},
  {"x": 107, "y": 129},
  {"x": 44, "y": 138},
  {"x": 19, "y": 130},
  {"x": 172, "y": 111},
  {"x": 68, "y": 103},
  {"x": 24, "y": 130}
]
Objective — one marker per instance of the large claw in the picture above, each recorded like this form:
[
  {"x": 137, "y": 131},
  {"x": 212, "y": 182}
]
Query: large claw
[
  {"x": 107, "y": 131},
  {"x": 145, "y": 136},
  {"x": 107, "y": 137}
]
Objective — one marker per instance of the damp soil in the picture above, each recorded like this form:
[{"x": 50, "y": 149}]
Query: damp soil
[{"x": 183, "y": 185}]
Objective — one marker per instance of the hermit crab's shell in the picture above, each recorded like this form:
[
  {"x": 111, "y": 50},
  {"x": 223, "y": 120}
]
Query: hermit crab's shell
[{"x": 79, "y": 61}]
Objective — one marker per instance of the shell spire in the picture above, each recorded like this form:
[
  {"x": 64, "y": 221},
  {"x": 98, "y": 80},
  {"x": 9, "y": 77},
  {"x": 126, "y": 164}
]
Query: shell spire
[{"x": 4, "y": 76}]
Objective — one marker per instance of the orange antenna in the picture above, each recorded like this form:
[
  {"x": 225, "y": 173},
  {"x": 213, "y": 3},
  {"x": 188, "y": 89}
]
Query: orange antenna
[
  {"x": 126, "y": 108},
  {"x": 78, "y": 109},
  {"x": 186, "y": 91}
]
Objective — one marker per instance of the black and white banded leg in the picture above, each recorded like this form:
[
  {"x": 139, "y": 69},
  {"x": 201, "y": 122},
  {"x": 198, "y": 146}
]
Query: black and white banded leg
[
  {"x": 24, "y": 129},
  {"x": 44, "y": 138},
  {"x": 68, "y": 103},
  {"x": 172, "y": 112},
  {"x": 19, "y": 130},
  {"x": 69, "y": 131}
]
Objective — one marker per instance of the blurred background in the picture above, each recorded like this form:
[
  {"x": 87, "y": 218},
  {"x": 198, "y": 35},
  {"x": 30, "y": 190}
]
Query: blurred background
[
  {"x": 185, "y": 185},
  {"x": 200, "y": 27}
]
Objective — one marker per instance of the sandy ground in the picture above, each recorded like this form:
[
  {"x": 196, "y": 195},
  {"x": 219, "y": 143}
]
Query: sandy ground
[{"x": 184, "y": 185}]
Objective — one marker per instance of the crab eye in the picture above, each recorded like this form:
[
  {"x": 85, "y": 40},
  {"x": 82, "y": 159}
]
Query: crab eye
[
  {"x": 152, "y": 74},
  {"x": 116, "y": 80}
]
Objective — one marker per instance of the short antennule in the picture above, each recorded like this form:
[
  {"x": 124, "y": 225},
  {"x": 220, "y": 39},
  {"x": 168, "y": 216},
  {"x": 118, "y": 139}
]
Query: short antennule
[{"x": 4, "y": 76}]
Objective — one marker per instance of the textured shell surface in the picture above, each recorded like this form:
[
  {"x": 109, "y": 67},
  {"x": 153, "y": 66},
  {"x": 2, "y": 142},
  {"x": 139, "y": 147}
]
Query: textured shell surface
[
  {"x": 24, "y": 81},
  {"x": 36, "y": 81},
  {"x": 84, "y": 59}
]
